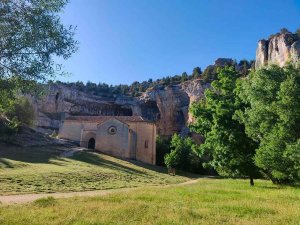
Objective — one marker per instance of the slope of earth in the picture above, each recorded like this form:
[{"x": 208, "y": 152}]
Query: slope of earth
[
  {"x": 43, "y": 170},
  {"x": 210, "y": 201}
]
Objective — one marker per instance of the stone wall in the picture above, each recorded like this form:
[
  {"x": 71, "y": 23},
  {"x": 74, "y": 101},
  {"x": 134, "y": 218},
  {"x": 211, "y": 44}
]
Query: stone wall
[
  {"x": 70, "y": 130},
  {"x": 116, "y": 145},
  {"x": 133, "y": 140},
  {"x": 146, "y": 141}
]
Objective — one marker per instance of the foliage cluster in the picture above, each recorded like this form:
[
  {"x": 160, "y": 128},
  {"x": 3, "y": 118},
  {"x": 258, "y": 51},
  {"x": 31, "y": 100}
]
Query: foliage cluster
[
  {"x": 162, "y": 148},
  {"x": 135, "y": 89},
  {"x": 31, "y": 35},
  {"x": 231, "y": 151},
  {"x": 182, "y": 155},
  {"x": 251, "y": 124},
  {"x": 298, "y": 32},
  {"x": 15, "y": 109},
  {"x": 272, "y": 119}
]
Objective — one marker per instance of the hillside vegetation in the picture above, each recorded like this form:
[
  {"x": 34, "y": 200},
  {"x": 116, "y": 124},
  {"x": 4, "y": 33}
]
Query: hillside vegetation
[
  {"x": 210, "y": 201},
  {"x": 41, "y": 169}
]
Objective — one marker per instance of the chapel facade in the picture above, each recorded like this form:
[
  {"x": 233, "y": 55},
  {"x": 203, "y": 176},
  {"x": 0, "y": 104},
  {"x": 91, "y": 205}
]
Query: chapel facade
[{"x": 129, "y": 137}]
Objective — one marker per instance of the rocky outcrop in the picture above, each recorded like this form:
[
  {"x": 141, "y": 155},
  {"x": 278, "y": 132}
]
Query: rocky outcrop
[
  {"x": 278, "y": 49},
  {"x": 167, "y": 106},
  {"x": 295, "y": 51},
  {"x": 60, "y": 100}
]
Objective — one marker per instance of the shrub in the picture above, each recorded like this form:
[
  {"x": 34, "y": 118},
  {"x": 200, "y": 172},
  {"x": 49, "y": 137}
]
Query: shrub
[
  {"x": 162, "y": 148},
  {"x": 182, "y": 156},
  {"x": 22, "y": 111}
]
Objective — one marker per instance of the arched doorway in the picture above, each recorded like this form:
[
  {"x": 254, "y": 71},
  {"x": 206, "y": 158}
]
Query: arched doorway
[{"x": 91, "y": 143}]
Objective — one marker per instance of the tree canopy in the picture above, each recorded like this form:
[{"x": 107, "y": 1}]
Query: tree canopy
[
  {"x": 31, "y": 35},
  {"x": 272, "y": 118},
  {"x": 231, "y": 151}
]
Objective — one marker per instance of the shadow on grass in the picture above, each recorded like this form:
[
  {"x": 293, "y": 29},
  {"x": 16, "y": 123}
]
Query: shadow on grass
[
  {"x": 41, "y": 154},
  {"x": 96, "y": 159},
  {"x": 4, "y": 163},
  {"x": 89, "y": 157},
  {"x": 51, "y": 155}
]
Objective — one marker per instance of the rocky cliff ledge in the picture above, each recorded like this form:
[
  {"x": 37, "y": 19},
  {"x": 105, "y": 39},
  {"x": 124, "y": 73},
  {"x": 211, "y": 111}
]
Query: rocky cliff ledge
[
  {"x": 278, "y": 49},
  {"x": 167, "y": 106}
]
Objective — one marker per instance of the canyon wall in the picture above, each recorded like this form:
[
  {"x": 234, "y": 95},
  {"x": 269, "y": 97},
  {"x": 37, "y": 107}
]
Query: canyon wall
[{"x": 167, "y": 106}]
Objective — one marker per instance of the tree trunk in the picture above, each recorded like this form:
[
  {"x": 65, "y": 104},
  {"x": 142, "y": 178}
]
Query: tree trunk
[{"x": 251, "y": 181}]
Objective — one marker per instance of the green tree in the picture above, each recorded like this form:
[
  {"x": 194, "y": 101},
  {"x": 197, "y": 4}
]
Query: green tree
[
  {"x": 226, "y": 143},
  {"x": 196, "y": 72},
  {"x": 21, "y": 111},
  {"x": 210, "y": 73},
  {"x": 162, "y": 148},
  {"x": 244, "y": 67},
  {"x": 184, "y": 77},
  {"x": 31, "y": 33},
  {"x": 272, "y": 119},
  {"x": 298, "y": 32},
  {"x": 182, "y": 155},
  {"x": 79, "y": 85},
  {"x": 284, "y": 30}
]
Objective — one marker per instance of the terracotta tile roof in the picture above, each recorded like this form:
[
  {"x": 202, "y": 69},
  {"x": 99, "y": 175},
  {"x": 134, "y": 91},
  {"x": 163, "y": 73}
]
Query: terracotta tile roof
[{"x": 101, "y": 119}]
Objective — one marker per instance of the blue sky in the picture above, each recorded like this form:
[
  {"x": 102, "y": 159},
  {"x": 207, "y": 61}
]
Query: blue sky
[{"x": 122, "y": 41}]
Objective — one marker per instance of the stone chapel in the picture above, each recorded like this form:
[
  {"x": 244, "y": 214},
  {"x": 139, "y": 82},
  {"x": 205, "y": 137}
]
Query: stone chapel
[{"x": 130, "y": 137}]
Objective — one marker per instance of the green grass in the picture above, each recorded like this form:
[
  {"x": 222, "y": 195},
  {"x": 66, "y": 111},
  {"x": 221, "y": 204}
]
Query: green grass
[
  {"x": 41, "y": 170},
  {"x": 210, "y": 201}
]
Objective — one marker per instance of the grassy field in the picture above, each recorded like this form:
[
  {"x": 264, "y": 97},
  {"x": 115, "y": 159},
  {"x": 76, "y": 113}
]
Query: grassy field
[
  {"x": 41, "y": 170},
  {"x": 210, "y": 201}
]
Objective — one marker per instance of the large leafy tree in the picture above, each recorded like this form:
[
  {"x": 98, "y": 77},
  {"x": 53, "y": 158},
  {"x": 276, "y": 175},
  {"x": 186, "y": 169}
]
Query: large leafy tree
[
  {"x": 272, "y": 118},
  {"x": 231, "y": 151},
  {"x": 31, "y": 34}
]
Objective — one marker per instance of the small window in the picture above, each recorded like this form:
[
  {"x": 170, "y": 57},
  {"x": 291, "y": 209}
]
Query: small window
[
  {"x": 112, "y": 130},
  {"x": 146, "y": 144}
]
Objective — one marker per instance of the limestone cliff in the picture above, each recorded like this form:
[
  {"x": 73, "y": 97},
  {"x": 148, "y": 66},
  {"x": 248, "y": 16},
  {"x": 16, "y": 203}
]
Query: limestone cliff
[
  {"x": 167, "y": 106},
  {"x": 278, "y": 49},
  {"x": 173, "y": 103}
]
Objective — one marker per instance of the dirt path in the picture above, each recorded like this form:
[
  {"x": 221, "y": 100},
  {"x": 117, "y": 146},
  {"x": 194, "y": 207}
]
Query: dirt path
[{"x": 26, "y": 198}]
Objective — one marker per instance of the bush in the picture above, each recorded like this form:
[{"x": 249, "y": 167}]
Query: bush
[
  {"x": 21, "y": 111},
  {"x": 162, "y": 148},
  {"x": 182, "y": 156}
]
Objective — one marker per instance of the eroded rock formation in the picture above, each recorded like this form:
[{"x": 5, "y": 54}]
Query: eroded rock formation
[
  {"x": 278, "y": 49},
  {"x": 167, "y": 106}
]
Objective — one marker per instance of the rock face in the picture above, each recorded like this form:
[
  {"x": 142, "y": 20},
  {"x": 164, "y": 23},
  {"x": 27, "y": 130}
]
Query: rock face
[
  {"x": 295, "y": 51},
  {"x": 278, "y": 49},
  {"x": 173, "y": 103},
  {"x": 167, "y": 106}
]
